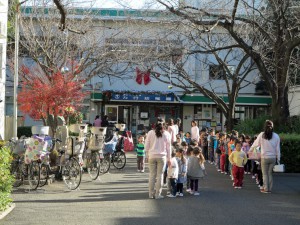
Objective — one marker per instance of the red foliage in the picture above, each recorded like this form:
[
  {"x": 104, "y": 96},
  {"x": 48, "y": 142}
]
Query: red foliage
[{"x": 42, "y": 95}]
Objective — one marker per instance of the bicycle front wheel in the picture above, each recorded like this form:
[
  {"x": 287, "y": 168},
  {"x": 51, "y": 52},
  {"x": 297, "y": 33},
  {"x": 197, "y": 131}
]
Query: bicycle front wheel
[
  {"x": 119, "y": 159},
  {"x": 105, "y": 163},
  {"x": 93, "y": 165},
  {"x": 34, "y": 175},
  {"x": 71, "y": 174}
]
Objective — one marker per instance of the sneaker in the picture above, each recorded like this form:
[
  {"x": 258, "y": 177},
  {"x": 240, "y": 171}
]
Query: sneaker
[
  {"x": 142, "y": 171},
  {"x": 180, "y": 195},
  {"x": 222, "y": 172},
  {"x": 253, "y": 177},
  {"x": 236, "y": 187},
  {"x": 225, "y": 173},
  {"x": 264, "y": 191},
  {"x": 177, "y": 194},
  {"x": 192, "y": 192},
  {"x": 261, "y": 187},
  {"x": 245, "y": 172},
  {"x": 219, "y": 170},
  {"x": 196, "y": 193},
  {"x": 188, "y": 190},
  {"x": 159, "y": 197},
  {"x": 171, "y": 196},
  {"x": 239, "y": 187}
]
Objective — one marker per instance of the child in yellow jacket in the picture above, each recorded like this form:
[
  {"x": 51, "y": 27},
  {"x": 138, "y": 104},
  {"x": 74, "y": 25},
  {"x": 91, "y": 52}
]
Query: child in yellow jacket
[{"x": 238, "y": 159}]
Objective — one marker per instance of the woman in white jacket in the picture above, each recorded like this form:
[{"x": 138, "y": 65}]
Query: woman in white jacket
[
  {"x": 158, "y": 152},
  {"x": 269, "y": 143}
]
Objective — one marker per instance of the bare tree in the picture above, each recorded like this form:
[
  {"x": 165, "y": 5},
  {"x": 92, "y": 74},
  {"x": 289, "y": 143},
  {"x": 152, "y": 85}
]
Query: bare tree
[{"x": 268, "y": 31}]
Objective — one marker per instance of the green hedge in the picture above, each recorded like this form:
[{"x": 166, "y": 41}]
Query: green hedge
[
  {"x": 6, "y": 179},
  {"x": 290, "y": 152},
  {"x": 26, "y": 131}
]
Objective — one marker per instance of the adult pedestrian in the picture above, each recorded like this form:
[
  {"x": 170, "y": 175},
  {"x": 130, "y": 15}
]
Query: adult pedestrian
[
  {"x": 195, "y": 134},
  {"x": 269, "y": 143},
  {"x": 172, "y": 131},
  {"x": 97, "y": 121},
  {"x": 158, "y": 153}
]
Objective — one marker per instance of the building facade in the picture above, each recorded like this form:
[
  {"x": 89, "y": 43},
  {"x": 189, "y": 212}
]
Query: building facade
[
  {"x": 3, "y": 41},
  {"x": 138, "y": 95}
]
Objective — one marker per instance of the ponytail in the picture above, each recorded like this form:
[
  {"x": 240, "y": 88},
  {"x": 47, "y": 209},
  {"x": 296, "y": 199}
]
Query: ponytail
[
  {"x": 268, "y": 133},
  {"x": 159, "y": 127}
]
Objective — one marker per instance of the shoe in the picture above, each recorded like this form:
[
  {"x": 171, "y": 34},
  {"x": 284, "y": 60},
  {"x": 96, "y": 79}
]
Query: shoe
[
  {"x": 171, "y": 196},
  {"x": 248, "y": 173},
  {"x": 253, "y": 177},
  {"x": 177, "y": 194},
  {"x": 225, "y": 173},
  {"x": 196, "y": 193},
  {"x": 264, "y": 191},
  {"x": 261, "y": 187},
  {"x": 222, "y": 172},
  {"x": 142, "y": 171},
  {"x": 159, "y": 197},
  {"x": 239, "y": 187},
  {"x": 151, "y": 197},
  {"x": 188, "y": 190},
  {"x": 219, "y": 170},
  {"x": 180, "y": 195},
  {"x": 245, "y": 172},
  {"x": 236, "y": 187},
  {"x": 191, "y": 192}
]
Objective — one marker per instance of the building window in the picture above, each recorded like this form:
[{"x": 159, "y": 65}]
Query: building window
[{"x": 217, "y": 72}]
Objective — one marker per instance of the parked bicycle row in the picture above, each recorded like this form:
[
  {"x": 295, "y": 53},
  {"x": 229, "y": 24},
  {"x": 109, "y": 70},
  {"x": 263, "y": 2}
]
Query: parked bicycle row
[{"x": 92, "y": 150}]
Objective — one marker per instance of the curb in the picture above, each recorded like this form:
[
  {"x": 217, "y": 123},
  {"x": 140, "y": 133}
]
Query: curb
[{"x": 7, "y": 211}]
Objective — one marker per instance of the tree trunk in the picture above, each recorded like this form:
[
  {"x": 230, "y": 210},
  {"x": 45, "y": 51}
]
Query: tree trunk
[
  {"x": 280, "y": 107},
  {"x": 230, "y": 118}
]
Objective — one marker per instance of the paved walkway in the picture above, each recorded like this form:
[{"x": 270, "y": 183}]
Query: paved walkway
[{"x": 121, "y": 197}]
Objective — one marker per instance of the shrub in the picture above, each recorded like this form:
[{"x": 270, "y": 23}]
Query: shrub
[
  {"x": 251, "y": 126},
  {"x": 6, "y": 179},
  {"x": 290, "y": 152},
  {"x": 24, "y": 131}
]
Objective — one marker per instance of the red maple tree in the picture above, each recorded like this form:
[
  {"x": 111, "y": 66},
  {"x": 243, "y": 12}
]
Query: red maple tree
[{"x": 44, "y": 95}]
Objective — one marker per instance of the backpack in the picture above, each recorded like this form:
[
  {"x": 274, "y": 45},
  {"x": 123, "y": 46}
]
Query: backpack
[{"x": 128, "y": 142}]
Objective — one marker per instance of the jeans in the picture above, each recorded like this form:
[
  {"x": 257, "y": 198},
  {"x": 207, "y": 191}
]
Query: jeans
[
  {"x": 194, "y": 185},
  {"x": 267, "y": 170},
  {"x": 180, "y": 187},
  {"x": 140, "y": 162},
  {"x": 156, "y": 171},
  {"x": 173, "y": 182}
]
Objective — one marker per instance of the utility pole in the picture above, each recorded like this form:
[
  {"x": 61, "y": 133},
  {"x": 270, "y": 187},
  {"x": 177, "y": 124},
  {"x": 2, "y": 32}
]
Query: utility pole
[{"x": 16, "y": 68}]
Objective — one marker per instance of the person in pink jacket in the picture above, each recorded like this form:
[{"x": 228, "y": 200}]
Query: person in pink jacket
[
  {"x": 269, "y": 143},
  {"x": 158, "y": 153}
]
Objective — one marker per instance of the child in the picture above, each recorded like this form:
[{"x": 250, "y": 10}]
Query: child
[
  {"x": 196, "y": 169},
  {"x": 245, "y": 148},
  {"x": 184, "y": 146},
  {"x": 189, "y": 154},
  {"x": 140, "y": 151},
  {"x": 187, "y": 137},
  {"x": 182, "y": 168},
  {"x": 222, "y": 145},
  {"x": 211, "y": 146},
  {"x": 238, "y": 159},
  {"x": 173, "y": 175}
]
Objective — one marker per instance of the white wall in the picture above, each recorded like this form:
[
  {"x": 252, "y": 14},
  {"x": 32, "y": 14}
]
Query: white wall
[
  {"x": 3, "y": 31},
  {"x": 294, "y": 99}
]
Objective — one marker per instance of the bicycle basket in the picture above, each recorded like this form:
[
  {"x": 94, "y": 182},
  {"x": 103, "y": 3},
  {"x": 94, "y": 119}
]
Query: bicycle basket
[{"x": 74, "y": 146}]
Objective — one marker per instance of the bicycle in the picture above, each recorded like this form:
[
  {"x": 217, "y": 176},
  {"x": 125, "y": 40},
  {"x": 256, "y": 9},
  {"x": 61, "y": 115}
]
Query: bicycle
[
  {"x": 93, "y": 154},
  {"x": 21, "y": 171},
  {"x": 69, "y": 168}
]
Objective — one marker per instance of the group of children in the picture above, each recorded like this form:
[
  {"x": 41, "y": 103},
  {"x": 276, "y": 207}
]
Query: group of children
[{"x": 228, "y": 152}]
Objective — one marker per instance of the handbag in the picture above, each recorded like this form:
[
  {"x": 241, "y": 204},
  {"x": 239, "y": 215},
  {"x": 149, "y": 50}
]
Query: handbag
[
  {"x": 255, "y": 154},
  {"x": 280, "y": 168}
]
